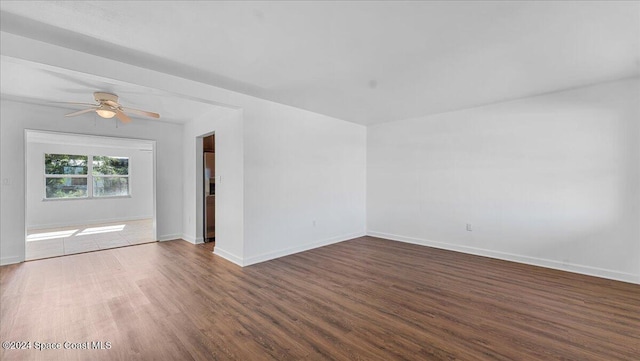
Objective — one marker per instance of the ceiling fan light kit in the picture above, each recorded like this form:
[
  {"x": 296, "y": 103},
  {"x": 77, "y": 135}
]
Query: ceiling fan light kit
[
  {"x": 106, "y": 113},
  {"x": 108, "y": 107}
]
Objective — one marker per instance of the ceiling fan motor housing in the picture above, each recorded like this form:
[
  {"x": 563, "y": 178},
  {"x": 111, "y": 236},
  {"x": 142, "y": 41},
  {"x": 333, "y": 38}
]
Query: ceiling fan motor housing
[{"x": 105, "y": 97}]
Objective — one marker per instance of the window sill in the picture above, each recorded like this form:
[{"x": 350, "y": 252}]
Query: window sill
[{"x": 83, "y": 198}]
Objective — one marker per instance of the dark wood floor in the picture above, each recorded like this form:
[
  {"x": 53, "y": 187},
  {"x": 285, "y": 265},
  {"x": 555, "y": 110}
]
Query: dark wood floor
[{"x": 364, "y": 299}]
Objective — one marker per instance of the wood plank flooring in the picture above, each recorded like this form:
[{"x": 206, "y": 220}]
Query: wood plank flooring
[{"x": 364, "y": 299}]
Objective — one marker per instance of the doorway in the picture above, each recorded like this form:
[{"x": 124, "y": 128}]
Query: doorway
[
  {"x": 209, "y": 189},
  {"x": 87, "y": 193}
]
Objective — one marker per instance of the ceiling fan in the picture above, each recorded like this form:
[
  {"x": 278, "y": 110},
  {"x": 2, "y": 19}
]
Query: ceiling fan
[{"x": 108, "y": 107}]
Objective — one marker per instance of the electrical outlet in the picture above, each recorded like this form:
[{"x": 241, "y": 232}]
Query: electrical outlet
[
  {"x": 314, "y": 222},
  {"x": 469, "y": 229}
]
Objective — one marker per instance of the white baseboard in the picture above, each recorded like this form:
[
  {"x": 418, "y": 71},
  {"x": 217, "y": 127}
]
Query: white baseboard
[
  {"x": 87, "y": 222},
  {"x": 169, "y": 237},
  {"x": 10, "y": 260},
  {"x": 192, "y": 239},
  {"x": 228, "y": 256},
  {"x": 301, "y": 248},
  {"x": 569, "y": 267}
]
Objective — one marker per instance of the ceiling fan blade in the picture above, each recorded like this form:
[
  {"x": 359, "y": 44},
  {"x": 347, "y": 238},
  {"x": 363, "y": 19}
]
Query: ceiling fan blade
[
  {"x": 76, "y": 103},
  {"x": 81, "y": 112},
  {"x": 122, "y": 116},
  {"x": 142, "y": 112}
]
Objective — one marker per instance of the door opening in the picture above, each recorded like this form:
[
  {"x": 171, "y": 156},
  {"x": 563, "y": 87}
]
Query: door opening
[{"x": 209, "y": 182}]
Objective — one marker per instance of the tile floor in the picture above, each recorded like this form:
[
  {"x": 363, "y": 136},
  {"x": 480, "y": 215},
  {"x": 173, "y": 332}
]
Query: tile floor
[{"x": 53, "y": 242}]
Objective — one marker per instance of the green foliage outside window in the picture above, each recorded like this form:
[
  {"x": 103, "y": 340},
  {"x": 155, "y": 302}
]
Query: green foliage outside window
[
  {"x": 66, "y": 187},
  {"x": 65, "y": 164},
  {"x": 110, "y": 186},
  {"x": 70, "y": 165},
  {"x": 106, "y": 180},
  {"x": 103, "y": 165}
]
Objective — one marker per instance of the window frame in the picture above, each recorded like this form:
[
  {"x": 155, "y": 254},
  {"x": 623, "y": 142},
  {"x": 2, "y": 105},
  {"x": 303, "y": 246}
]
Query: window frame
[{"x": 89, "y": 177}]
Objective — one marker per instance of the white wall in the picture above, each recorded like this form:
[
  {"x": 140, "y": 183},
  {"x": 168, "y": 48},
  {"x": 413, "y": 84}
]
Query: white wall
[
  {"x": 55, "y": 213},
  {"x": 550, "y": 180},
  {"x": 15, "y": 117},
  {"x": 305, "y": 177},
  {"x": 227, "y": 125}
]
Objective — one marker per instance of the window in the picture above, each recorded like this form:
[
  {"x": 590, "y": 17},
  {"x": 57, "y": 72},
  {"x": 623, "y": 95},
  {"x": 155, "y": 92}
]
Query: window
[
  {"x": 65, "y": 176},
  {"x": 110, "y": 176},
  {"x": 69, "y": 176}
]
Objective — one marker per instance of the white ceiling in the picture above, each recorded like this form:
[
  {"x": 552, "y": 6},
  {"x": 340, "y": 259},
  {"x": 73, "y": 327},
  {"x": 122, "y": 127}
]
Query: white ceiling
[{"x": 366, "y": 62}]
